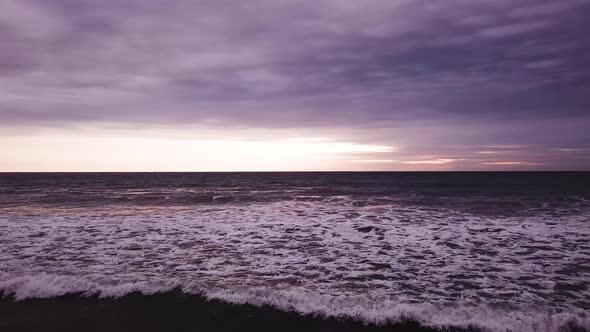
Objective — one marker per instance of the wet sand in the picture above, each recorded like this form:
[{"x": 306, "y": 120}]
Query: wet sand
[{"x": 171, "y": 311}]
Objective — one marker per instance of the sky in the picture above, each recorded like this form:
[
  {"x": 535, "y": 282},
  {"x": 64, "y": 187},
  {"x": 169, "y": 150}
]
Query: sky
[{"x": 271, "y": 85}]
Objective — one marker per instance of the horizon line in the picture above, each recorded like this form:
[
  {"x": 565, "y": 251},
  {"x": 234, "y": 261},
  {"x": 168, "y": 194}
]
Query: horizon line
[{"x": 304, "y": 171}]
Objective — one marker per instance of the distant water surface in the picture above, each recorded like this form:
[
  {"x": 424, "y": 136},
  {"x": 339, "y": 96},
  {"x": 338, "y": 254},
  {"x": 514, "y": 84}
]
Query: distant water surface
[{"x": 500, "y": 251}]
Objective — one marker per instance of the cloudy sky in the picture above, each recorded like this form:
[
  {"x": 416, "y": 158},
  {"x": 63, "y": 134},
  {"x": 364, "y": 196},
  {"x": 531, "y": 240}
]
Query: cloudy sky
[{"x": 294, "y": 85}]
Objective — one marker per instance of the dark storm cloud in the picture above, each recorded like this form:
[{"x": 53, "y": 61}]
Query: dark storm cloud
[{"x": 388, "y": 64}]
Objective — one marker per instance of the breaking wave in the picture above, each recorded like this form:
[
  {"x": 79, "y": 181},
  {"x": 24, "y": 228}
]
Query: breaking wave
[
  {"x": 356, "y": 307},
  {"x": 486, "y": 251}
]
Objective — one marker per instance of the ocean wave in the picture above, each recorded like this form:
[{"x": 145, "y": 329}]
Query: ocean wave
[
  {"x": 502, "y": 262},
  {"x": 494, "y": 206},
  {"x": 367, "y": 262},
  {"x": 363, "y": 308}
]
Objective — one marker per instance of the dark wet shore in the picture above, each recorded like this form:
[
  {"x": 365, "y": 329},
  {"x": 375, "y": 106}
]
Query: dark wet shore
[{"x": 172, "y": 311}]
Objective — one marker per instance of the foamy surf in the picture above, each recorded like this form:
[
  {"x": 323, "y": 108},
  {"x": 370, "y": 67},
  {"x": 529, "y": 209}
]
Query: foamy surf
[
  {"x": 368, "y": 310},
  {"x": 513, "y": 258}
]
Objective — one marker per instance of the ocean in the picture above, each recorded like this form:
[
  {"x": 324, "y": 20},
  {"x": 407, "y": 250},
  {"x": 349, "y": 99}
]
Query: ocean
[{"x": 492, "y": 251}]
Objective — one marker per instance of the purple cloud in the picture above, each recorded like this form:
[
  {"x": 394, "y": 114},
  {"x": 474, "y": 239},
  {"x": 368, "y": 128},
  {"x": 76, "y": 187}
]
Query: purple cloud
[{"x": 430, "y": 75}]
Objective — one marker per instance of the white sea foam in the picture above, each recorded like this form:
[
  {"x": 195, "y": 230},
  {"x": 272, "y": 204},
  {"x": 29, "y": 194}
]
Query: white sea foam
[
  {"x": 379, "y": 262},
  {"x": 357, "y": 307}
]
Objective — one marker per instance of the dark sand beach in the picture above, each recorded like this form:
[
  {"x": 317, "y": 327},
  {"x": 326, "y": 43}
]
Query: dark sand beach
[{"x": 171, "y": 311}]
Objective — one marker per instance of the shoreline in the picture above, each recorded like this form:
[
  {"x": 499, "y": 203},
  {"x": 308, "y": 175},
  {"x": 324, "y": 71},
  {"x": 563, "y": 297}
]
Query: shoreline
[{"x": 172, "y": 311}]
